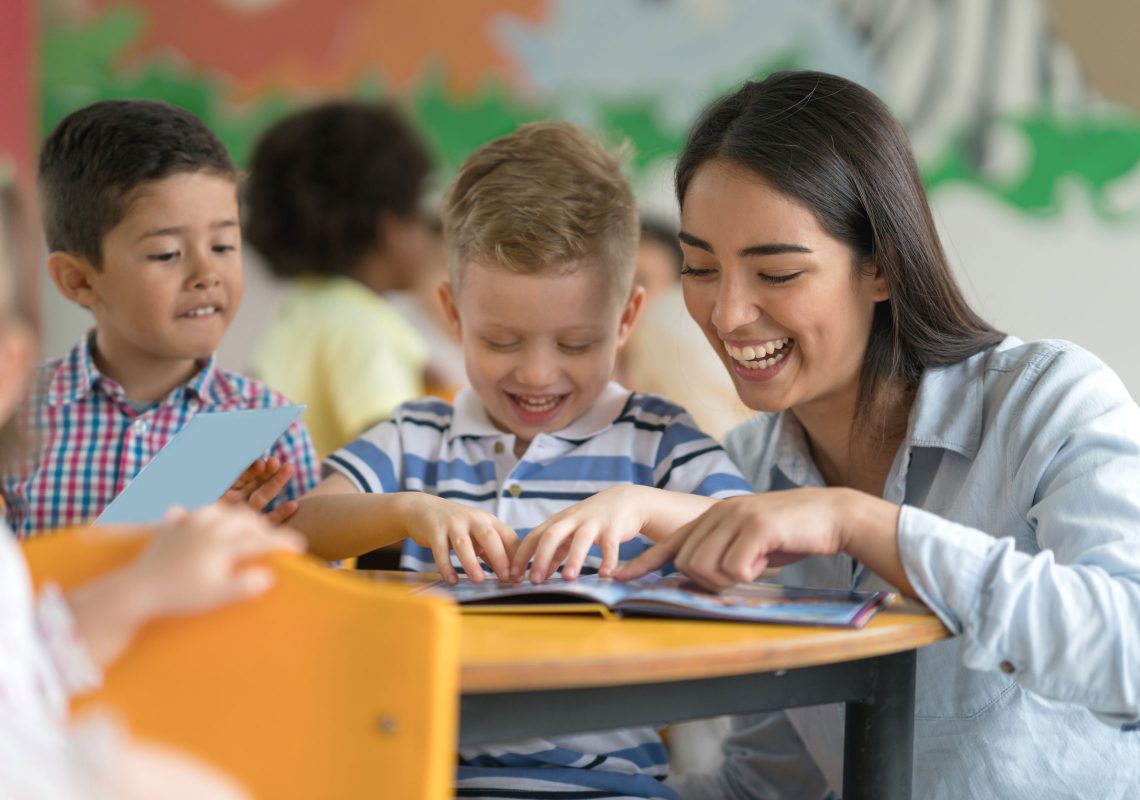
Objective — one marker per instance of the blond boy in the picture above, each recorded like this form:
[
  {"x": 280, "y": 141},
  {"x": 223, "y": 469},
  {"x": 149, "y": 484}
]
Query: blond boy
[{"x": 542, "y": 232}]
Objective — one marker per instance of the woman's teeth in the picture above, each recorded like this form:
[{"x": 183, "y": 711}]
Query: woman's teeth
[{"x": 759, "y": 356}]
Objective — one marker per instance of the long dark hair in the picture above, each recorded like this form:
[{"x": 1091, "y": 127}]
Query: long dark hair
[{"x": 834, "y": 147}]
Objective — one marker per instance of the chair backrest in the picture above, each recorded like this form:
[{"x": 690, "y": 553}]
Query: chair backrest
[{"x": 326, "y": 686}]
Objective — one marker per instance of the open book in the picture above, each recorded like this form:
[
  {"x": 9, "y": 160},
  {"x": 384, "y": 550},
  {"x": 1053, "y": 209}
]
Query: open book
[{"x": 670, "y": 596}]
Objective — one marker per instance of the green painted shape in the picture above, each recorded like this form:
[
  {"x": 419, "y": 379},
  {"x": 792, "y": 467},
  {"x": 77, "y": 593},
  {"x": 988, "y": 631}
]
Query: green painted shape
[
  {"x": 1093, "y": 150},
  {"x": 79, "y": 65},
  {"x": 455, "y": 126}
]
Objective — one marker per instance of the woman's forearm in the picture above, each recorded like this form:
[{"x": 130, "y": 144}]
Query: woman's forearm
[{"x": 870, "y": 535}]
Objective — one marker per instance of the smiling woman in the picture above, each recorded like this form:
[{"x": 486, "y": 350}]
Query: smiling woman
[{"x": 918, "y": 447}]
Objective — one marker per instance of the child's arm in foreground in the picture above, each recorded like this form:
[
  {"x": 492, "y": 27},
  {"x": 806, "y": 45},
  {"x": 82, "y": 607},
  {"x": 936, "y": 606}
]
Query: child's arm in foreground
[
  {"x": 196, "y": 562},
  {"x": 341, "y": 522},
  {"x": 607, "y": 519}
]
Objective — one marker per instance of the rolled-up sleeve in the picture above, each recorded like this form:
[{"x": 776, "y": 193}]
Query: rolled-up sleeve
[{"x": 1061, "y": 613}]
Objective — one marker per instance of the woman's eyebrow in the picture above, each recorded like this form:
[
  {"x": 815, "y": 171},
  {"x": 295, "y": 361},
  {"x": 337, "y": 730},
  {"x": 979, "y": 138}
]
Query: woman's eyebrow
[{"x": 773, "y": 249}]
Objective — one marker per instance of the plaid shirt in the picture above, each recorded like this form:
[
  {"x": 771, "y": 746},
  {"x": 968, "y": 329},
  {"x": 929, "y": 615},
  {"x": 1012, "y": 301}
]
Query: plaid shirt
[{"x": 88, "y": 443}]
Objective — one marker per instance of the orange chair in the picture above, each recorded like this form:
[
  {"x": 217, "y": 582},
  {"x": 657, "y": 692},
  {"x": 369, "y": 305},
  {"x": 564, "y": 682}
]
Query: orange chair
[{"x": 327, "y": 686}]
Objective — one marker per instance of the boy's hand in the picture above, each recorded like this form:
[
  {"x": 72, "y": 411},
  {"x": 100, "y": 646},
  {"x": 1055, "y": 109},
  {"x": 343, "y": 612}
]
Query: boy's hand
[
  {"x": 607, "y": 519},
  {"x": 259, "y": 484},
  {"x": 473, "y": 534},
  {"x": 200, "y": 561}
]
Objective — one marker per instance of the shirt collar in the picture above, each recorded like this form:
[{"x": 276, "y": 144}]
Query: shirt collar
[
  {"x": 76, "y": 375},
  {"x": 792, "y": 456},
  {"x": 471, "y": 418},
  {"x": 947, "y": 414},
  {"x": 947, "y": 411}
]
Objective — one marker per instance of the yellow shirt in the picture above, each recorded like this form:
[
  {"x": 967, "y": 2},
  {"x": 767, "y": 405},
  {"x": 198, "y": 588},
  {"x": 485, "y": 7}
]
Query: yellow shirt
[{"x": 345, "y": 352}]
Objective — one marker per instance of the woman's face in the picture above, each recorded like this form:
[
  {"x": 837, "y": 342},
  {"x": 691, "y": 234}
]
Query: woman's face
[{"x": 778, "y": 298}]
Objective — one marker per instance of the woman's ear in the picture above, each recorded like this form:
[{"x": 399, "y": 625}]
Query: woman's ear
[
  {"x": 630, "y": 313},
  {"x": 74, "y": 276},
  {"x": 880, "y": 290}
]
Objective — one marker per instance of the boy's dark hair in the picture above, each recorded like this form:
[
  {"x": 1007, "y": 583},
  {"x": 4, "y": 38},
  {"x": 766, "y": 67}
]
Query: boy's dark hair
[
  {"x": 95, "y": 159},
  {"x": 320, "y": 181}
]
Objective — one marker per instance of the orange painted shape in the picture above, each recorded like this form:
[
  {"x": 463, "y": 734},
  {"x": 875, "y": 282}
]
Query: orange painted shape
[{"x": 329, "y": 45}]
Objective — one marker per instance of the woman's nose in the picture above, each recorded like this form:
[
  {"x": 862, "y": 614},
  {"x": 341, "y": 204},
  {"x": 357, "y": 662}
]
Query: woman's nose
[{"x": 733, "y": 307}]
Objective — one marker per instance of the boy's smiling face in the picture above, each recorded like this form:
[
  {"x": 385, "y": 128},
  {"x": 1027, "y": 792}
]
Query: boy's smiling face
[
  {"x": 171, "y": 276},
  {"x": 539, "y": 349}
]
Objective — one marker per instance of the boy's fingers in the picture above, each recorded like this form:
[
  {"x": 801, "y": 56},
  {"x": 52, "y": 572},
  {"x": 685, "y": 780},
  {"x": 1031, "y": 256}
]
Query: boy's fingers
[
  {"x": 577, "y": 552},
  {"x": 523, "y": 552},
  {"x": 655, "y": 557},
  {"x": 441, "y": 552},
  {"x": 544, "y": 551},
  {"x": 507, "y": 536},
  {"x": 282, "y": 512},
  {"x": 610, "y": 555},
  {"x": 491, "y": 545},
  {"x": 461, "y": 544},
  {"x": 271, "y": 486}
]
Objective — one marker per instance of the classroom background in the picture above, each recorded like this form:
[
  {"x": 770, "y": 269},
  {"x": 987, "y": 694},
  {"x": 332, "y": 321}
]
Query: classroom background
[{"x": 1023, "y": 113}]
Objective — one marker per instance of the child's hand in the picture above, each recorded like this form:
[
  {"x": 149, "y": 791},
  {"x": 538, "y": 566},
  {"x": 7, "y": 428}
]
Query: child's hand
[
  {"x": 259, "y": 484},
  {"x": 201, "y": 560},
  {"x": 473, "y": 534},
  {"x": 607, "y": 519}
]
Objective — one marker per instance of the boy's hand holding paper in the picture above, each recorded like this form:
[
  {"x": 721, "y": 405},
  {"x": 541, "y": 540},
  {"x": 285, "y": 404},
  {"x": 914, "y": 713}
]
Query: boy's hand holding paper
[{"x": 263, "y": 480}]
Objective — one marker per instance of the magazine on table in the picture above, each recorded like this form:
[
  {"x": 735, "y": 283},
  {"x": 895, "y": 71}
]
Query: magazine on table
[{"x": 669, "y": 596}]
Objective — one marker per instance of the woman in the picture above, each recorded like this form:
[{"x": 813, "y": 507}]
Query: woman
[{"x": 996, "y": 481}]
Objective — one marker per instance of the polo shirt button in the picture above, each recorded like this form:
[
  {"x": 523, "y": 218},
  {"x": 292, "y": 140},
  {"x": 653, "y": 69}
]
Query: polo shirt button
[
  {"x": 1007, "y": 667},
  {"x": 192, "y": 405},
  {"x": 140, "y": 426},
  {"x": 499, "y": 447},
  {"x": 515, "y": 490}
]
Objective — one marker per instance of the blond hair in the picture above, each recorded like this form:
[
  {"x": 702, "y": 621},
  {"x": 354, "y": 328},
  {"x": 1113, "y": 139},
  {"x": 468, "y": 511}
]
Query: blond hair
[{"x": 545, "y": 198}]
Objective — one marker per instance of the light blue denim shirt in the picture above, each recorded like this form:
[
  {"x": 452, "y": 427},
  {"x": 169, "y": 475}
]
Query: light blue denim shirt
[{"x": 1019, "y": 480}]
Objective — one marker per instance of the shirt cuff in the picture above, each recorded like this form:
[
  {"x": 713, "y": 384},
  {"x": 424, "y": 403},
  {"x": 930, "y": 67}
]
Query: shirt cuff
[{"x": 944, "y": 562}]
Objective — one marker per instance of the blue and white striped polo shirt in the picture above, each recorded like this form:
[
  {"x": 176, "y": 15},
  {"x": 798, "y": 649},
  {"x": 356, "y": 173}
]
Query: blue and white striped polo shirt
[{"x": 456, "y": 452}]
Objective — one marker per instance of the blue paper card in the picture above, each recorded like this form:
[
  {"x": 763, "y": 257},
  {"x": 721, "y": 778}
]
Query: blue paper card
[{"x": 199, "y": 464}]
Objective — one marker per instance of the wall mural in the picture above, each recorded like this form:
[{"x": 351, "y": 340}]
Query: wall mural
[{"x": 1034, "y": 178}]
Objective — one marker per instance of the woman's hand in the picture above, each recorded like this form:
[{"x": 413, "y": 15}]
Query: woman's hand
[
  {"x": 607, "y": 519},
  {"x": 738, "y": 538},
  {"x": 443, "y": 526}
]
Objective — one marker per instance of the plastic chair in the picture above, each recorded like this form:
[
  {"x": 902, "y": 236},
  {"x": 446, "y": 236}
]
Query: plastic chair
[{"x": 326, "y": 686}]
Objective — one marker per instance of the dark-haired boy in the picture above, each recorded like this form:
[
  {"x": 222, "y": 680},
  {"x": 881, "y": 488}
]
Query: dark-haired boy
[{"x": 140, "y": 210}]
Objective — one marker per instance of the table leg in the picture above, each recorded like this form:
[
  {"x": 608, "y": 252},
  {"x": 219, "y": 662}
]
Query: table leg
[{"x": 878, "y": 752}]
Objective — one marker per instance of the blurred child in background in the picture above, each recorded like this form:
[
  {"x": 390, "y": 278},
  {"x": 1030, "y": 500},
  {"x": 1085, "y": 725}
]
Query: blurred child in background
[
  {"x": 444, "y": 375},
  {"x": 333, "y": 200}
]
